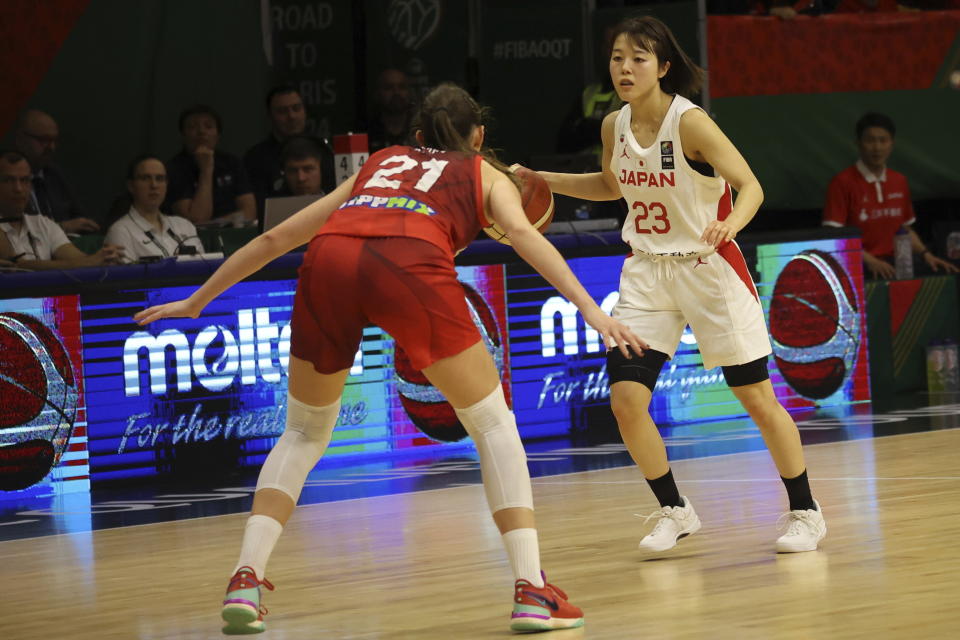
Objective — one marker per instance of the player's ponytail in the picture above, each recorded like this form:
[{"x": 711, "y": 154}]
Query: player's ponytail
[
  {"x": 446, "y": 119},
  {"x": 683, "y": 77}
]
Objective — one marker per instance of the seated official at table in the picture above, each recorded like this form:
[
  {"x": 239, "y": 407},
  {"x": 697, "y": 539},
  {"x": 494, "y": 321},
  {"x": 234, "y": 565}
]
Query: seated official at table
[
  {"x": 143, "y": 231},
  {"x": 35, "y": 241},
  {"x": 302, "y": 168}
]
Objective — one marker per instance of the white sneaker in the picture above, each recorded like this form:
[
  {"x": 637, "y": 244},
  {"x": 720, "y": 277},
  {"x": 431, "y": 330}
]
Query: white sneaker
[
  {"x": 806, "y": 529},
  {"x": 673, "y": 523}
]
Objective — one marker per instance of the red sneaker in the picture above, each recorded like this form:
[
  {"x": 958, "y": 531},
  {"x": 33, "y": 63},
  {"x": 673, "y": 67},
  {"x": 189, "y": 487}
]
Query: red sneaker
[
  {"x": 242, "y": 610},
  {"x": 542, "y": 608}
]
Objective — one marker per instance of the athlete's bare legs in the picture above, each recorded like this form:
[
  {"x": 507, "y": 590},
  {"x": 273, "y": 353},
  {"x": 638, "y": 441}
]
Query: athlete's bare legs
[
  {"x": 630, "y": 402},
  {"x": 778, "y": 429},
  {"x": 470, "y": 382}
]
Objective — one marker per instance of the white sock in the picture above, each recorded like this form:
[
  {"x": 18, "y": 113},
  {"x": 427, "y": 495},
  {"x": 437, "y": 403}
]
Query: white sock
[
  {"x": 523, "y": 549},
  {"x": 259, "y": 537}
]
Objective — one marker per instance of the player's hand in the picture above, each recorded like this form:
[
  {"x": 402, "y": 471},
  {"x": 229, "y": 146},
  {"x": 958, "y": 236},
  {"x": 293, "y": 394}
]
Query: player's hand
[
  {"x": 615, "y": 333},
  {"x": 179, "y": 309},
  {"x": 936, "y": 264},
  {"x": 718, "y": 233}
]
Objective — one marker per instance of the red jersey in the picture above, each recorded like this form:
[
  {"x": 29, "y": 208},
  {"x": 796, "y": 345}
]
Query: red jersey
[
  {"x": 414, "y": 192},
  {"x": 878, "y": 206}
]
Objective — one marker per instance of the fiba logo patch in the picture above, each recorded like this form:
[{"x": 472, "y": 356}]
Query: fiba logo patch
[
  {"x": 814, "y": 324},
  {"x": 425, "y": 405},
  {"x": 39, "y": 388},
  {"x": 413, "y": 22}
]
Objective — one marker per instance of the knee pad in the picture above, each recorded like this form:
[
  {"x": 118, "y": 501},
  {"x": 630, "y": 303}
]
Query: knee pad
[
  {"x": 304, "y": 440},
  {"x": 644, "y": 369},
  {"x": 740, "y": 375},
  {"x": 503, "y": 461}
]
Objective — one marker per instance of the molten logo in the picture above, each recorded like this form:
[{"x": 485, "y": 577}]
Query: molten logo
[
  {"x": 258, "y": 349},
  {"x": 570, "y": 326}
]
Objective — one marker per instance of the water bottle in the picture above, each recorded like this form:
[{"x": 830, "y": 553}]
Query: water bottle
[
  {"x": 951, "y": 372},
  {"x": 903, "y": 255},
  {"x": 935, "y": 358},
  {"x": 953, "y": 245}
]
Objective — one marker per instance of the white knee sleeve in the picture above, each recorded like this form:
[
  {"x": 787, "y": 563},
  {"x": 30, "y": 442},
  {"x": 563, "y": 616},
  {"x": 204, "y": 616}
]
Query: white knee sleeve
[
  {"x": 502, "y": 460},
  {"x": 303, "y": 441}
]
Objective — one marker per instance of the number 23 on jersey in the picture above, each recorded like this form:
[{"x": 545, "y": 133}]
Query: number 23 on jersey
[{"x": 643, "y": 223}]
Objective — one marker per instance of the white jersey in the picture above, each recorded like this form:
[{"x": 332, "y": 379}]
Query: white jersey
[{"x": 669, "y": 203}]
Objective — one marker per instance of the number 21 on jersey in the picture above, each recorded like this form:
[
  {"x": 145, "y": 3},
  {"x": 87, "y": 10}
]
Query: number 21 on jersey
[
  {"x": 432, "y": 169},
  {"x": 643, "y": 222}
]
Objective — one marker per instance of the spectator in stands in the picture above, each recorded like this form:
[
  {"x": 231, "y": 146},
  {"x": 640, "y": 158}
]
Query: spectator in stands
[
  {"x": 392, "y": 117},
  {"x": 205, "y": 184},
  {"x": 36, "y": 137},
  {"x": 264, "y": 162},
  {"x": 875, "y": 198},
  {"x": 580, "y": 130},
  {"x": 143, "y": 231},
  {"x": 34, "y": 241},
  {"x": 302, "y": 167}
]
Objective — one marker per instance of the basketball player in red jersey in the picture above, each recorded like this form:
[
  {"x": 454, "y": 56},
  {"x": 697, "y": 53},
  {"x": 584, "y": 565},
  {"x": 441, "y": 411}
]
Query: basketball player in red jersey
[
  {"x": 381, "y": 252},
  {"x": 675, "y": 167}
]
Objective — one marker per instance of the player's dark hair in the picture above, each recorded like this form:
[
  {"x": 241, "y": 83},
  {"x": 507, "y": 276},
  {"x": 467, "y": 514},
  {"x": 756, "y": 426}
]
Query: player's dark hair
[
  {"x": 200, "y": 109},
  {"x": 280, "y": 90},
  {"x": 868, "y": 120},
  {"x": 446, "y": 118},
  {"x": 683, "y": 77}
]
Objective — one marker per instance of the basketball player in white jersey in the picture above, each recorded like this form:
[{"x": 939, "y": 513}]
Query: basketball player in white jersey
[{"x": 675, "y": 169}]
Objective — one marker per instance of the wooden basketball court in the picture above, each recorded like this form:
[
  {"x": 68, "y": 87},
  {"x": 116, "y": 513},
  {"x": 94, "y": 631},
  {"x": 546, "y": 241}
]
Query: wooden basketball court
[{"x": 430, "y": 564}]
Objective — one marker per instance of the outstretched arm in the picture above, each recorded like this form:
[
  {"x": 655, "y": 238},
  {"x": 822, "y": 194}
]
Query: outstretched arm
[
  {"x": 296, "y": 230},
  {"x": 590, "y": 186},
  {"x": 504, "y": 205}
]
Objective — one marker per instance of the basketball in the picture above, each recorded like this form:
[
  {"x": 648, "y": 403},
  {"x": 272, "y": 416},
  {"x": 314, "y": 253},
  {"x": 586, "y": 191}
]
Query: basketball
[
  {"x": 814, "y": 324},
  {"x": 423, "y": 403},
  {"x": 537, "y": 201},
  {"x": 40, "y": 396}
]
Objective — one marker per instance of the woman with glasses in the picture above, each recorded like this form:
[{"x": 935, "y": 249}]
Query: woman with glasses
[{"x": 143, "y": 230}]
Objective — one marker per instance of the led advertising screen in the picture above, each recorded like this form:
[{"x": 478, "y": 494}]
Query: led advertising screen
[
  {"x": 43, "y": 428},
  {"x": 186, "y": 394},
  {"x": 812, "y": 296}
]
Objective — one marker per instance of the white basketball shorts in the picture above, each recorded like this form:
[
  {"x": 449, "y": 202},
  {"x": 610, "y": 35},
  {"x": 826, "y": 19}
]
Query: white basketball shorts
[{"x": 714, "y": 294}]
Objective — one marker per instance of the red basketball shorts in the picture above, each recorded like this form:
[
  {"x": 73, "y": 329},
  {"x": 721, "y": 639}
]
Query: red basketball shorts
[{"x": 405, "y": 286}]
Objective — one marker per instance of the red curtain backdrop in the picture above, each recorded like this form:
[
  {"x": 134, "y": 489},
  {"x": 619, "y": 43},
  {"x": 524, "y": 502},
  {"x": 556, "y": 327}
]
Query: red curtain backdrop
[
  {"x": 752, "y": 56},
  {"x": 31, "y": 34}
]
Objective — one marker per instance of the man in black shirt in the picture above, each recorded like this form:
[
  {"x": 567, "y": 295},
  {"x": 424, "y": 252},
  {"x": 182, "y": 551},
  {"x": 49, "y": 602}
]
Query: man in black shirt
[
  {"x": 205, "y": 184},
  {"x": 264, "y": 162},
  {"x": 36, "y": 137},
  {"x": 392, "y": 117}
]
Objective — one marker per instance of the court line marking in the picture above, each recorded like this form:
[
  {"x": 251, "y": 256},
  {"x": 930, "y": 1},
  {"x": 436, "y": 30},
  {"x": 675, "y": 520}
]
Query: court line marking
[
  {"x": 533, "y": 480},
  {"x": 733, "y": 480}
]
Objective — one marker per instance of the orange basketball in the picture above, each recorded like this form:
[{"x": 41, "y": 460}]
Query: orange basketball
[{"x": 537, "y": 201}]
